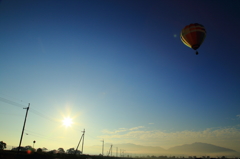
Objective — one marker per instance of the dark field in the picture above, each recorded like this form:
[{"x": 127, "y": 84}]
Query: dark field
[{"x": 7, "y": 154}]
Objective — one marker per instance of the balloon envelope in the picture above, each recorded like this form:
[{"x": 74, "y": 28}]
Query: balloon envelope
[{"x": 193, "y": 35}]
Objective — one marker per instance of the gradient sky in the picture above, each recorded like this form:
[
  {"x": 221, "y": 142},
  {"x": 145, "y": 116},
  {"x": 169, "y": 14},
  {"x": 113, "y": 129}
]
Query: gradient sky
[{"x": 120, "y": 70}]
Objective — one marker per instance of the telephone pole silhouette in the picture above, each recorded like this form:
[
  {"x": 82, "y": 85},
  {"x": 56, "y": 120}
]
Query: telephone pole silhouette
[
  {"x": 83, "y": 140},
  {"x": 103, "y": 147},
  {"x": 122, "y": 153},
  {"x": 82, "y": 137},
  {"x": 23, "y": 126},
  {"x": 110, "y": 151}
]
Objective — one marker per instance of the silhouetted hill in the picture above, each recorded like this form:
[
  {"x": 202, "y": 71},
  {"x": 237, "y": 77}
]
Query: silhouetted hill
[{"x": 199, "y": 147}]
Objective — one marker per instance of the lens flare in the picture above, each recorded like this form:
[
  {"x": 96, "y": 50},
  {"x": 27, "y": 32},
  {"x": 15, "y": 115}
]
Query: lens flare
[{"x": 67, "y": 122}]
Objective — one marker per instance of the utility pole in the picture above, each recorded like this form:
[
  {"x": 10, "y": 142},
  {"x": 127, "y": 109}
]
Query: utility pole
[
  {"x": 110, "y": 151},
  {"x": 116, "y": 151},
  {"x": 78, "y": 145},
  {"x": 23, "y": 126},
  {"x": 80, "y": 142},
  {"x": 83, "y": 140},
  {"x": 103, "y": 147},
  {"x": 122, "y": 153}
]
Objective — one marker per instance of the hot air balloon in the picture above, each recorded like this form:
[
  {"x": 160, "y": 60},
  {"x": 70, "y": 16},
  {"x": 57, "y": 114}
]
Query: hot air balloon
[{"x": 193, "y": 35}]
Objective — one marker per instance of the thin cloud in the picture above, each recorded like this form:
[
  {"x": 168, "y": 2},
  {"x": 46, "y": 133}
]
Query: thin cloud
[
  {"x": 120, "y": 130},
  {"x": 136, "y": 128},
  {"x": 105, "y": 131}
]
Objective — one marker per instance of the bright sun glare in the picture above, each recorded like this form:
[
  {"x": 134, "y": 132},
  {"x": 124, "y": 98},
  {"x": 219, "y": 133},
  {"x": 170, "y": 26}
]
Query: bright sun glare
[{"x": 67, "y": 121}]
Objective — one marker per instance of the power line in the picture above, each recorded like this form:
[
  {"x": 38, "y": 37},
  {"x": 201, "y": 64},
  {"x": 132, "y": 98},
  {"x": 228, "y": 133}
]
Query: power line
[
  {"x": 39, "y": 135},
  {"x": 10, "y": 114},
  {"x": 14, "y": 97},
  {"x": 42, "y": 115},
  {"x": 22, "y": 106},
  {"x": 12, "y": 102},
  {"x": 32, "y": 110},
  {"x": 46, "y": 117}
]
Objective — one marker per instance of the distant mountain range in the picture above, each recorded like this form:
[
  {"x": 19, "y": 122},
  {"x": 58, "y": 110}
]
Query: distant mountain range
[
  {"x": 199, "y": 147},
  {"x": 195, "y": 149},
  {"x": 204, "y": 149}
]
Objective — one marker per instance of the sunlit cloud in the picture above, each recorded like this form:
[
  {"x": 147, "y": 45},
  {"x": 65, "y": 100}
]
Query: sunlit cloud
[
  {"x": 136, "y": 128},
  {"x": 121, "y": 130},
  {"x": 150, "y": 123},
  {"x": 238, "y": 116},
  {"x": 115, "y": 131}
]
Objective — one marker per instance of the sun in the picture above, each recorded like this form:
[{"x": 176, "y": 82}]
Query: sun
[{"x": 67, "y": 122}]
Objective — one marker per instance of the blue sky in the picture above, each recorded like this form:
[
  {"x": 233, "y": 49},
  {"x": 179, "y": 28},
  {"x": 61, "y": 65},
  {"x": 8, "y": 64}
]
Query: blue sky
[{"x": 119, "y": 68}]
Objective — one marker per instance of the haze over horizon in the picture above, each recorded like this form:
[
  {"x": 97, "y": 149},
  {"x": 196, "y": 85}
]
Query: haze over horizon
[{"x": 119, "y": 70}]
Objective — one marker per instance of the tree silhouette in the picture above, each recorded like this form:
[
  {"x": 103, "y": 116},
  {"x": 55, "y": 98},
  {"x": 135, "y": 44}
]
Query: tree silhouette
[
  {"x": 30, "y": 148},
  {"x": 71, "y": 151},
  {"x": 39, "y": 150},
  {"x": 3, "y": 145},
  {"x": 61, "y": 150},
  {"x": 44, "y": 149}
]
